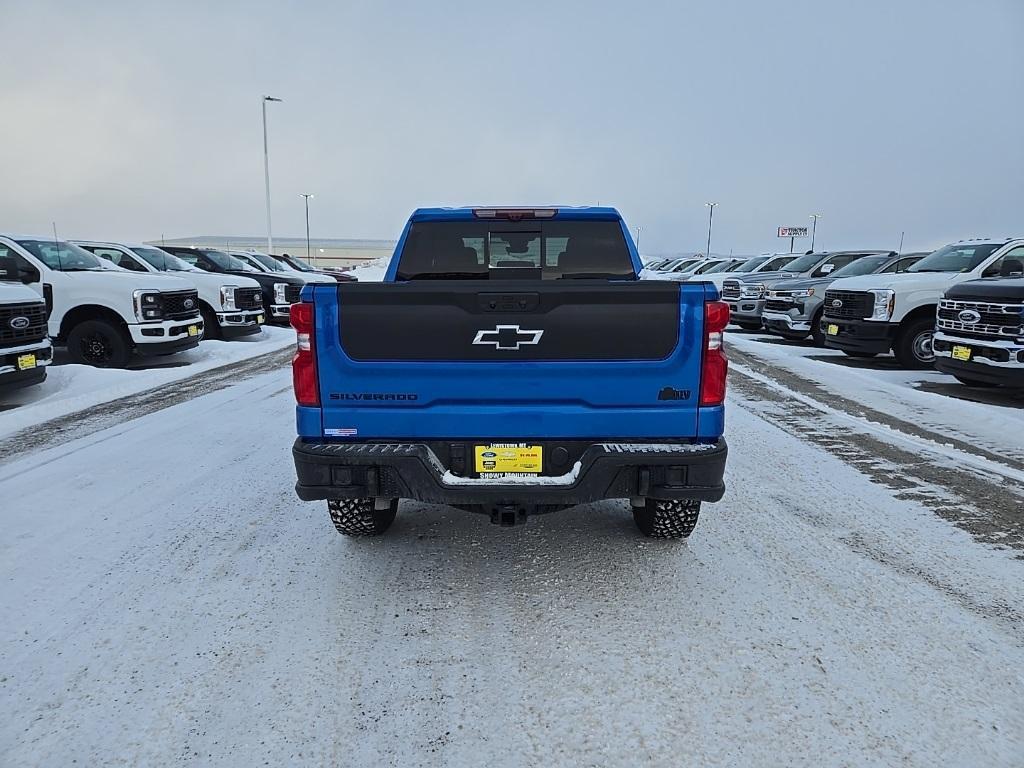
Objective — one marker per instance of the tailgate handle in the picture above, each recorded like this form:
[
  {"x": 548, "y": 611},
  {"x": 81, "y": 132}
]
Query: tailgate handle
[{"x": 509, "y": 302}]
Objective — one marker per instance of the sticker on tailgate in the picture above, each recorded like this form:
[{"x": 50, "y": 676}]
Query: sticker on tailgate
[{"x": 503, "y": 458}]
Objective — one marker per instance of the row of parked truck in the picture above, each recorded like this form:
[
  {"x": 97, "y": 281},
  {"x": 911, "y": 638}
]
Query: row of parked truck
[
  {"x": 108, "y": 301},
  {"x": 959, "y": 309}
]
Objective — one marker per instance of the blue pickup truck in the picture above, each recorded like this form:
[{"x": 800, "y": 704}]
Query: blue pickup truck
[{"x": 511, "y": 363}]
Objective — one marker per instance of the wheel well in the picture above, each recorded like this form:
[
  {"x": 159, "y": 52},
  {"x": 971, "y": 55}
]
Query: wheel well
[
  {"x": 919, "y": 313},
  {"x": 89, "y": 312},
  {"x": 207, "y": 306}
]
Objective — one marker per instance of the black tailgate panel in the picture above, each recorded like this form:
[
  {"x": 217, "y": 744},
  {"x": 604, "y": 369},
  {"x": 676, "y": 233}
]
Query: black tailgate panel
[{"x": 503, "y": 321}]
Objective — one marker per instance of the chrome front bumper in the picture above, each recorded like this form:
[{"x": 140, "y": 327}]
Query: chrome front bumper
[{"x": 788, "y": 320}]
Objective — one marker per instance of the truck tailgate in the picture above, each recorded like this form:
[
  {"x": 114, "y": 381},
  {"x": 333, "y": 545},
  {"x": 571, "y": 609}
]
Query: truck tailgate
[{"x": 475, "y": 359}]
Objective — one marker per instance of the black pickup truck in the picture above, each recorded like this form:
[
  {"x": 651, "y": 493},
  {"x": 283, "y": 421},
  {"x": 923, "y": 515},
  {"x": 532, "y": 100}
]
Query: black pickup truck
[
  {"x": 979, "y": 332},
  {"x": 279, "y": 291}
]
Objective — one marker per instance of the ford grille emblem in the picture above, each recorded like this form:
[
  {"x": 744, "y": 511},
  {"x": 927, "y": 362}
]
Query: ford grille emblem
[
  {"x": 969, "y": 316},
  {"x": 837, "y": 302},
  {"x": 19, "y": 323},
  {"x": 189, "y": 303}
]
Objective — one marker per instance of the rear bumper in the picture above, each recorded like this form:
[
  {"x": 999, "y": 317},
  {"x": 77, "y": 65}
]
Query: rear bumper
[
  {"x": 340, "y": 470},
  {"x": 859, "y": 335}
]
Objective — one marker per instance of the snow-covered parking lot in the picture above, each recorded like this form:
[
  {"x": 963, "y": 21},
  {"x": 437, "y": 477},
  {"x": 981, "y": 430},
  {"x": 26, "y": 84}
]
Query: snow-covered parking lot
[{"x": 857, "y": 598}]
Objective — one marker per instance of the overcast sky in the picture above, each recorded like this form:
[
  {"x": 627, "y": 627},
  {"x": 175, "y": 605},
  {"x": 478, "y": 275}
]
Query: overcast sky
[{"x": 131, "y": 120}]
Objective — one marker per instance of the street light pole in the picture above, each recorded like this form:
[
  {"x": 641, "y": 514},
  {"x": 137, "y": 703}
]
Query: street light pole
[
  {"x": 814, "y": 228},
  {"x": 306, "y": 198},
  {"x": 711, "y": 216},
  {"x": 266, "y": 171}
]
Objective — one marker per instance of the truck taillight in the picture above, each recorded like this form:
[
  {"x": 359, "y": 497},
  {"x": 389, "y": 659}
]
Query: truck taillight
[
  {"x": 304, "y": 378},
  {"x": 715, "y": 366}
]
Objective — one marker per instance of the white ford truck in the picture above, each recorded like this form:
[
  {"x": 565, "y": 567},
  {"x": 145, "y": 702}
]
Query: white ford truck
[
  {"x": 231, "y": 306},
  {"x": 103, "y": 315},
  {"x": 869, "y": 315},
  {"x": 25, "y": 348}
]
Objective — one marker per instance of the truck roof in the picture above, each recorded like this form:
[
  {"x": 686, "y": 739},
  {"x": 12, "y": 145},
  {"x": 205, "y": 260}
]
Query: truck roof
[
  {"x": 491, "y": 212},
  {"x": 115, "y": 243}
]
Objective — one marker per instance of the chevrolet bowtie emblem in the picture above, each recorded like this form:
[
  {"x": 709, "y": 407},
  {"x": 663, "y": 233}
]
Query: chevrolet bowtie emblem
[{"x": 507, "y": 337}]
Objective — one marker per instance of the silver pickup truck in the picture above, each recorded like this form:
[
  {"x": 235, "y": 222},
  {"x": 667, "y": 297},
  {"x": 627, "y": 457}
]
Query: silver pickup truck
[
  {"x": 793, "y": 308},
  {"x": 746, "y": 296}
]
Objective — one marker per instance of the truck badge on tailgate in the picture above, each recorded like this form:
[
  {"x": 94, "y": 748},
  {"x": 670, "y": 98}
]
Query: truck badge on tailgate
[
  {"x": 507, "y": 337},
  {"x": 671, "y": 393}
]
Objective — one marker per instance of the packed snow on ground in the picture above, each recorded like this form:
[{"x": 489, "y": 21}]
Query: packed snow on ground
[
  {"x": 373, "y": 272},
  {"x": 878, "y": 384},
  {"x": 161, "y": 608},
  {"x": 69, "y": 388}
]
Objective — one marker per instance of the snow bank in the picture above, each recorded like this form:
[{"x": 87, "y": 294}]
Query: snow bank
[
  {"x": 70, "y": 388},
  {"x": 372, "y": 272}
]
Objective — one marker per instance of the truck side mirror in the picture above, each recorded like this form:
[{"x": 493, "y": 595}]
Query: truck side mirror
[
  {"x": 1011, "y": 268},
  {"x": 28, "y": 274},
  {"x": 9, "y": 269}
]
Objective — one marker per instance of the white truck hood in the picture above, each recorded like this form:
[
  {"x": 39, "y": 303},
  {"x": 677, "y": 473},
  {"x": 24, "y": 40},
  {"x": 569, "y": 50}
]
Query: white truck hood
[
  {"x": 904, "y": 282},
  {"x": 213, "y": 281},
  {"x": 108, "y": 279},
  {"x": 16, "y": 293}
]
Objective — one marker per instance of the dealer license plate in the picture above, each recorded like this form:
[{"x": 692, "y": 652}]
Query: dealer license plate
[
  {"x": 961, "y": 353},
  {"x": 25, "y": 362},
  {"x": 509, "y": 458},
  {"x": 833, "y": 329},
  {"x": 193, "y": 330}
]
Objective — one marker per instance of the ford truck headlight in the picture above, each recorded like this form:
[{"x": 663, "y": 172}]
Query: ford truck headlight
[
  {"x": 227, "y": 298},
  {"x": 148, "y": 306},
  {"x": 753, "y": 291},
  {"x": 885, "y": 301},
  {"x": 279, "y": 295}
]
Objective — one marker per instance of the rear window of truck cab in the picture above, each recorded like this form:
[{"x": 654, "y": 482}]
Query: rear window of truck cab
[{"x": 481, "y": 250}]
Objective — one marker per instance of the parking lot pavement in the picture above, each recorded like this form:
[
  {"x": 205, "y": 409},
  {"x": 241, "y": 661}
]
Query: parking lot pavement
[{"x": 186, "y": 607}]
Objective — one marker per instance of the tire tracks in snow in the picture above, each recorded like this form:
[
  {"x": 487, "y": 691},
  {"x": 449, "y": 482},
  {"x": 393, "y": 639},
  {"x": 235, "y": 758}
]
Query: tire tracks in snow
[
  {"x": 99, "y": 417},
  {"x": 836, "y": 401},
  {"x": 975, "y": 490}
]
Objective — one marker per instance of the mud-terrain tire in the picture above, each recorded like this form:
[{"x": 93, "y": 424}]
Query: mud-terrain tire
[
  {"x": 357, "y": 517},
  {"x": 974, "y": 382},
  {"x": 660, "y": 519},
  {"x": 99, "y": 344},
  {"x": 913, "y": 347},
  {"x": 750, "y": 326}
]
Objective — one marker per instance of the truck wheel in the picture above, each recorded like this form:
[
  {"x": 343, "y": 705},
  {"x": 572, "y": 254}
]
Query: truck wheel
[
  {"x": 750, "y": 326},
  {"x": 358, "y": 517},
  {"x": 660, "y": 519},
  {"x": 100, "y": 344},
  {"x": 913, "y": 347},
  {"x": 817, "y": 335},
  {"x": 211, "y": 328},
  {"x": 974, "y": 382}
]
